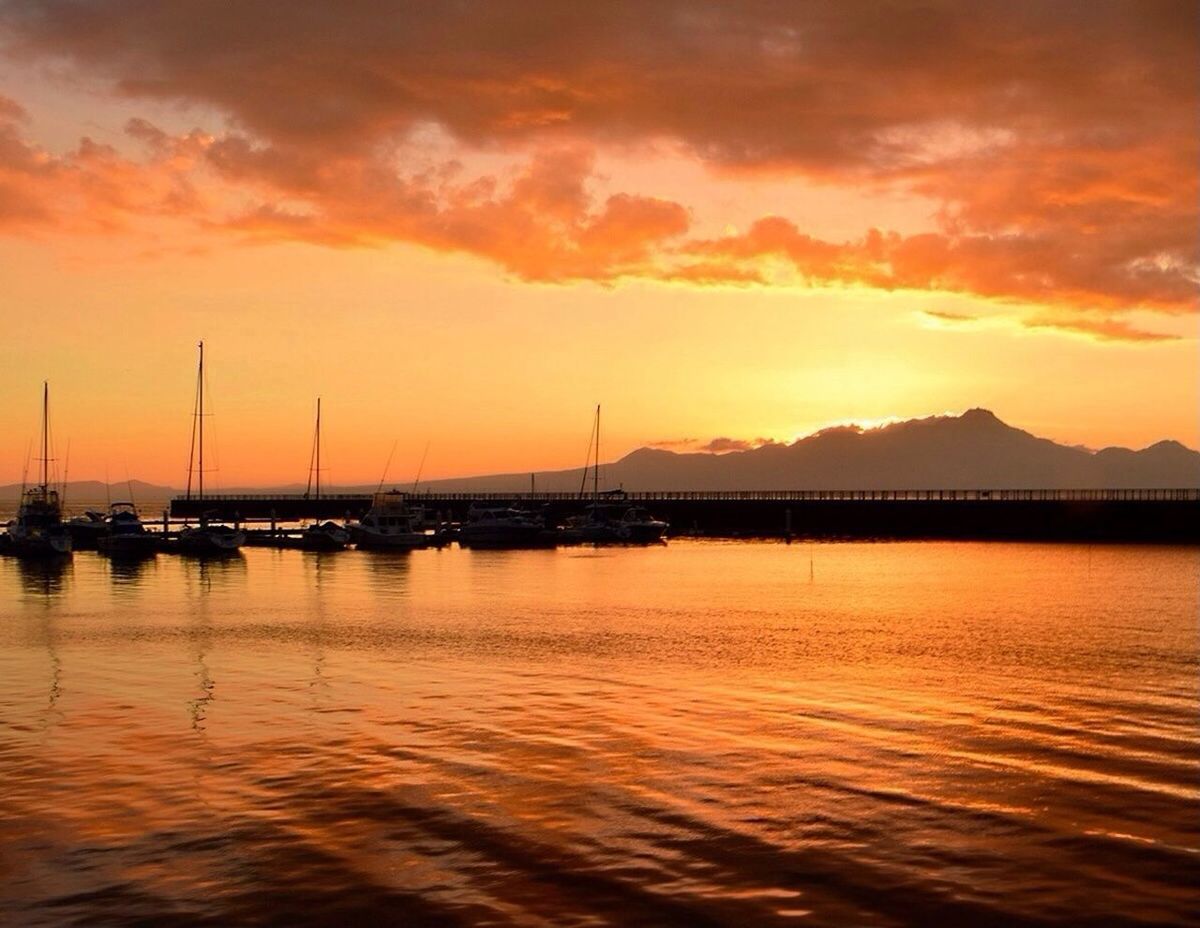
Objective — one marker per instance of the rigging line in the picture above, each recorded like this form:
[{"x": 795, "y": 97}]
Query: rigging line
[
  {"x": 421, "y": 466},
  {"x": 587, "y": 459},
  {"x": 387, "y": 466}
]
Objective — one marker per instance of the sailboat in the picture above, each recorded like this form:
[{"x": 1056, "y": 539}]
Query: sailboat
[
  {"x": 320, "y": 536},
  {"x": 609, "y": 518},
  {"x": 38, "y": 530},
  {"x": 206, "y": 538}
]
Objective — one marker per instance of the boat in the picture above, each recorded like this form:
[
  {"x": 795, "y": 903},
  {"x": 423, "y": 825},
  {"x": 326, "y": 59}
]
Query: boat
[
  {"x": 126, "y": 535},
  {"x": 504, "y": 527},
  {"x": 391, "y": 524},
  {"x": 210, "y": 538},
  {"x": 207, "y": 538},
  {"x": 320, "y": 536},
  {"x": 324, "y": 536},
  {"x": 86, "y": 530},
  {"x": 609, "y": 518},
  {"x": 38, "y": 530}
]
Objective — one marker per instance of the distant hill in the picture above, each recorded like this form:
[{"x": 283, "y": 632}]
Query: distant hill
[
  {"x": 93, "y": 491},
  {"x": 973, "y": 450}
]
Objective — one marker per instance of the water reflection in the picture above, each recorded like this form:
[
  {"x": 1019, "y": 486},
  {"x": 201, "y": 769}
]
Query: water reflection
[
  {"x": 213, "y": 573},
  {"x": 126, "y": 571},
  {"x": 929, "y": 734},
  {"x": 388, "y": 572},
  {"x": 44, "y": 578}
]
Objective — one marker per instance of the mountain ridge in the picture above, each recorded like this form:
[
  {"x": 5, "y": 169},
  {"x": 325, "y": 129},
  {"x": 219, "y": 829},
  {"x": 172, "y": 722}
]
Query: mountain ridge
[{"x": 972, "y": 450}]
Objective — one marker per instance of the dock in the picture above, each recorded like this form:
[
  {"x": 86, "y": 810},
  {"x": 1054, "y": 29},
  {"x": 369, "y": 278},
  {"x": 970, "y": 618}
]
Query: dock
[{"x": 1124, "y": 515}]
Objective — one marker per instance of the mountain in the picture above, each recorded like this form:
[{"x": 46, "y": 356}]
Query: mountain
[
  {"x": 973, "y": 450},
  {"x": 92, "y": 492}
]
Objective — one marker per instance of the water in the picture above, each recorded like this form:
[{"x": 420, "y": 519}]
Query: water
[{"x": 700, "y": 734}]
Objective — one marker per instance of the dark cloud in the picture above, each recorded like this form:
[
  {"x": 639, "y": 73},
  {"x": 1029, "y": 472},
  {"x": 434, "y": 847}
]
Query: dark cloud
[{"x": 1059, "y": 139}]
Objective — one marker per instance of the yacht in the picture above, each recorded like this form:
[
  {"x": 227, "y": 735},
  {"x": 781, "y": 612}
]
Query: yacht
[
  {"x": 503, "y": 527},
  {"x": 390, "y": 524},
  {"x": 324, "y": 536},
  {"x": 38, "y": 530},
  {"x": 87, "y": 530},
  {"x": 126, "y": 534}
]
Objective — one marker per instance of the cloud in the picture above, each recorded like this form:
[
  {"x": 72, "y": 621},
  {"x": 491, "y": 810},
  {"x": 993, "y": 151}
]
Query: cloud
[
  {"x": 1108, "y": 330},
  {"x": 1058, "y": 182},
  {"x": 723, "y": 445}
]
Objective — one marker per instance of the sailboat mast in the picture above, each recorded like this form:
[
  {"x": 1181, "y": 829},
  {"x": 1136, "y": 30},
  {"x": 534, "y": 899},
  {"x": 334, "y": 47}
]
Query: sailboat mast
[
  {"x": 318, "y": 447},
  {"x": 596, "y": 472},
  {"x": 200, "y": 407},
  {"x": 45, "y": 434}
]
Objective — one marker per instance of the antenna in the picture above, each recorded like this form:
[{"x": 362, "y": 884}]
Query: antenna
[{"x": 107, "y": 488}]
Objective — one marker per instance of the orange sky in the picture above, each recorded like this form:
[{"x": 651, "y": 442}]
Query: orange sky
[{"x": 465, "y": 226}]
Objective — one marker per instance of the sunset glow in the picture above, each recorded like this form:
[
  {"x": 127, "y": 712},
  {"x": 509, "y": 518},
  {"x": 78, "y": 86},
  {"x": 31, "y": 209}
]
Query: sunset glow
[{"x": 464, "y": 227}]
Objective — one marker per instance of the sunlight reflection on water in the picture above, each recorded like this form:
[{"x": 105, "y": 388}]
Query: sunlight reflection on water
[{"x": 694, "y": 734}]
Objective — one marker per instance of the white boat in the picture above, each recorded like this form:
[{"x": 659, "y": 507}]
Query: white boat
[
  {"x": 390, "y": 524},
  {"x": 206, "y": 538},
  {"x": 38, "y": 530}
]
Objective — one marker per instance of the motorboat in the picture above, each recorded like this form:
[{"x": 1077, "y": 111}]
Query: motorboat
[
  {"x": 126, "y": 535},
  {"x": 209, "y": 539},
  {"x": 87, "y": 530},
  {"x": 391, "y": 524},
  {"x": 324, "y": 536},
  {"x": 503, "y": 527}
]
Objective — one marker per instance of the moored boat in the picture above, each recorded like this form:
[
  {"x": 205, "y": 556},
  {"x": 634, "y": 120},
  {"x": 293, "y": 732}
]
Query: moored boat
[
  {"x": 38, "y": 530},
  {"x": 324, "y": 536},
  {"x": 206, "y": 538},
  {"x": 390, "y": 524},
  {"x": 504, "y": 527},
  {"x": 126, "y": 534},
  {"x": 210, "y": 539},
  {"x": 87, "y": 529}
]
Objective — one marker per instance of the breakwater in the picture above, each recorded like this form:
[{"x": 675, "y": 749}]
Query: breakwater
[{"x": 1131, "y": 515}]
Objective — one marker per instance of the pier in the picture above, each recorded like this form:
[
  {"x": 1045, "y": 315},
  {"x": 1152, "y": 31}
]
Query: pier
[{"x": 1126, "y": 515}]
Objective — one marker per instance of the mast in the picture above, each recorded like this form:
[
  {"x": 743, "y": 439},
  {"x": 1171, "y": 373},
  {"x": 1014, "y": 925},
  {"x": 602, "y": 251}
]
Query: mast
[
  {"x": 45, "y": 435},
  {"x": 596, "y": 472},
  {"x": 318, "y": 447},
  {"x": 200, "y": 407}
]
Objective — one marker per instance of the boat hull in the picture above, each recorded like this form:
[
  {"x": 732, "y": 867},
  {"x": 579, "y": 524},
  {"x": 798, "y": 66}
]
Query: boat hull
[
  {"x": 208, "y": 542},
  {"x": 400, "y": 541},
  {"x": 129, "y": 546}
]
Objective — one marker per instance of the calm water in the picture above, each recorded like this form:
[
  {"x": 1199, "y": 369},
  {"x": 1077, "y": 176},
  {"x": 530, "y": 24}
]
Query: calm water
[{"x": 699, "y": 734}]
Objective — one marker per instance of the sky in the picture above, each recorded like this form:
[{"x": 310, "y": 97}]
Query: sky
[{"x": 464, "y": 224}]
